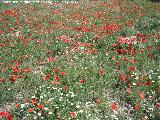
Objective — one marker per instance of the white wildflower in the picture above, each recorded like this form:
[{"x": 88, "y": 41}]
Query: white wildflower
[
  {"x": 134, "y": 83},
  {"x": 35, "y": 117},
  {"x": 22, "y": 105},
  {"x": 78, "y": 106},
  {"x": 81, "y": 111},
  {"x": 50, "y": 99},
  {"x": 39, "y": 114},
  {"x": 41, "y": 97},
  {"x": 33, "y": 97},
  {"x": 45, "y": 108},
  {"x": 50, "y": 113}
]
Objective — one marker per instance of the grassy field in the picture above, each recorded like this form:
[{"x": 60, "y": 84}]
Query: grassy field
[{"x": 90, "y": 60}]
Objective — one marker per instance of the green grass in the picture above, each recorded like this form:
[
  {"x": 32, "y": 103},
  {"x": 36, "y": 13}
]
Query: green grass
[{"x": 80, "y": 61}]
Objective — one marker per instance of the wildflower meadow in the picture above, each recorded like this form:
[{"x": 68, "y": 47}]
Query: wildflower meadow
[{"x": 80, "y": 60}]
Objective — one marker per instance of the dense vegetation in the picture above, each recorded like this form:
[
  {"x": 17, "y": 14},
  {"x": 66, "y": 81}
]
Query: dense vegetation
[{"x": 89, "y": 60}]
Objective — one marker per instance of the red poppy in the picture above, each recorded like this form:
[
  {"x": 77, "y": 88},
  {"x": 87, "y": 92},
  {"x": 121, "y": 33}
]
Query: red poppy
[
  {"x": 124, "y": 59},
  {"x": 3, "y": 45},
  {"x": 101, "y": 72},
  {"x": 18, "y": 64},
  {"x": 122, "y": 51},
  {"x": 13, "y": 78},
  {"x": 36, "y": 22},
  {"x": 150, "y": 48},
  {"x": 86, "y": 51},
  {"x": 148, "y": 83},
  {"x": 129, "y": 90},
  {"x": 22, "y": 70},
  {"x": 141, "y": 95},
  {"x": 133, "y": 60},
  {"x": 137, "y": 106},
  {"x": 114, "y": 45},
  {"x": 10, "y": 12},
  {"x": 114, "y": 106},
  {"x": 15, "y": 69},
  {"x": 12, "y": 45},
  {"x": 150, "y": 55},
  {"x": 56, "y": 78},
  {"x": 30, "y": 109},
  {"x": 34, "y": 101},
  {"x": 55, "y": 70},
  {"x": 47, "y": 77},
  {"x": 20, "y": 76},
  {"x": 28, "y": 69},
  {"x": 62, "y": 73},
  {"x": 140, "y": 51},
  {"x": 50, "y": 59},
  {"x": 27, "y": 101},
  {"x": 158, "y": 89},
  {"x": 98, "y": 36},
  {"x": 117, "y": 63},
  {"x": 122, "y": 40},
  {"x": 1, "y": 32},
  {"x": 72, "y": 114},
  {"x": 50, "y": 42},
  {"x": 115, "y": 70},
  {"x": 2, "y": 80},
  {"x": 158, "y": 105},
  {"x": 40, "y": 106},
  {"x": 131, "y": 68},
  {"x": 17, "y": 106},
  {"x": 65, "y": 88},
  {"x": 116, "y": 51},
  {"x": 82, "y": 81},
  {"x": 138, "y": 83},
  {"x": 155, "y": 36},
  {"x": 6, "y": 115},
  {"x": 122, "y": 78},
  {"x": 132, "y": 52},
  {"x": 55, "y": 82},
  {"x": 9, "y": 117},
  {"x": 94, "y": 51},
  {"x": 39, "y": 42},
  {"x": 1, "y": 63},
  {"x": 129, "y": 85}
]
